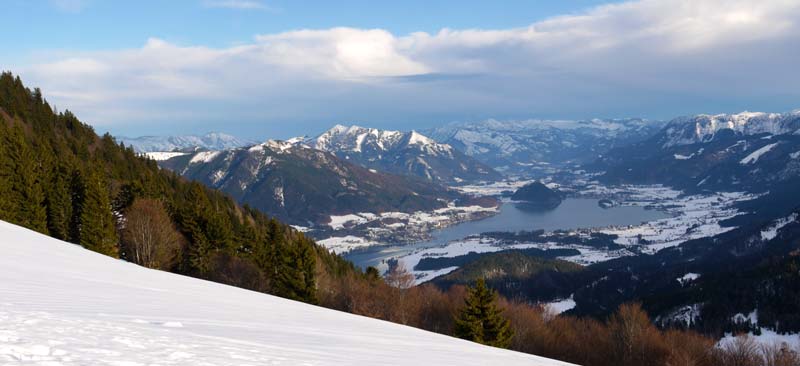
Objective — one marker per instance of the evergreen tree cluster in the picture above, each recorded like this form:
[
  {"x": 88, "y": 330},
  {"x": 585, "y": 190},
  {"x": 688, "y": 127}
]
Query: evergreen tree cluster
[
  {"x": 480, "y": 320},
  {"x": 58, "y": 177}
]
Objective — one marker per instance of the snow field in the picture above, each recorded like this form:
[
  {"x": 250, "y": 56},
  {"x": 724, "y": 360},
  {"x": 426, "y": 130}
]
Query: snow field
[{"x": 63, "y": 305}]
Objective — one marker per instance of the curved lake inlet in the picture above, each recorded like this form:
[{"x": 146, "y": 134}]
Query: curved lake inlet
[{"x": 573, "y": 213}]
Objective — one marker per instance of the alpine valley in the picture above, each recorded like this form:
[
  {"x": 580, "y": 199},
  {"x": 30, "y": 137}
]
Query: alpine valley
[
  {"x": 695, "y": 219},
  {"x": 724, "y": 188},
  {"x": 400, "y": 183}
]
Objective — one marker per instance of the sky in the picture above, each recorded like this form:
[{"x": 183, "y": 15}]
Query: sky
[{"x": 276, "y": 69}]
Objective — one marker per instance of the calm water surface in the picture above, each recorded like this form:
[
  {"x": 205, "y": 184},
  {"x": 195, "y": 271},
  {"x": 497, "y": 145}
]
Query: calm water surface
[{"x": 573, "y": 213}]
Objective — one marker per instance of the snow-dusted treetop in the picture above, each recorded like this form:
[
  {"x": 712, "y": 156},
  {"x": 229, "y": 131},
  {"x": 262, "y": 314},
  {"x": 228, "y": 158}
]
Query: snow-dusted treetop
[{"x": 62, "y": 304}]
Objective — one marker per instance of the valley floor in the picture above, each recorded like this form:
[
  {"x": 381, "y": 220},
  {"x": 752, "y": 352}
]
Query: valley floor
[
  {"x": 689, "y": 217},
  {"x": 63, "y": 305}
]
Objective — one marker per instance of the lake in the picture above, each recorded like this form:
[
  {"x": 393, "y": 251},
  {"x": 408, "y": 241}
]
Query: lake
[{"x": 573, "y": 213}]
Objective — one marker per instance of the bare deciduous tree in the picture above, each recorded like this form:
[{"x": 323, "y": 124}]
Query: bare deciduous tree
[
  {"x": 742, "y": 351},
  {"x": 780, "y": 354},
  {"x": 150, "y": 238},
  {"x": 399, "y": 277}
]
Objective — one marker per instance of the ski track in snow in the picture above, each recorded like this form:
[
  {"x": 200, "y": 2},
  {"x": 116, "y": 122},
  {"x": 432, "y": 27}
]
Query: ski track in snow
[{"x": 63, "y": 305}]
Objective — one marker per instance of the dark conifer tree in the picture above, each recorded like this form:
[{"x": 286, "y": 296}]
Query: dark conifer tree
[
  {"x": 480, "y": 320},
  {"x": 193, "y": 224},
  {"x": 26, "y": 189},
  {"x": 77, "y": 188},
  {"x": 98, "y": 228},
  {"x": 59, "y": 203},
  {"x": 295, "y": 272},
  {"x": 7, "y": 208}
]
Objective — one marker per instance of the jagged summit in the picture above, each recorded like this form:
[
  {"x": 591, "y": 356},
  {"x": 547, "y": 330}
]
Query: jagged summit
[
  {"x": 408, "y": 153},
  {"x": 356, "y": 138}
]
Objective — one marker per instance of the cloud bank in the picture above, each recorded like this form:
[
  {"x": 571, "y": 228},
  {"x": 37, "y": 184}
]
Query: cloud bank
[{"x": 652, "y": 58}]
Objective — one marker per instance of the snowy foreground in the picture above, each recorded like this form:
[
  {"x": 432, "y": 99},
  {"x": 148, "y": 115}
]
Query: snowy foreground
[{"x": 63, "y": 305}]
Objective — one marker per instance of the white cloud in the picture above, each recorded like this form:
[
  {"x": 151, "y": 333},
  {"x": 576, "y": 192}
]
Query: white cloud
[
  {"x": 635, "y": 58},
  {"x": 339, "y": 53}
]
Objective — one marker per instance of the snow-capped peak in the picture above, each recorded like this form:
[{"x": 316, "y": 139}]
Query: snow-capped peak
[
  {"x": 280, "y": 146},
  {"x": 209, "y": 141},
  {"x": 416, "y": 138},
  {"x": 399, "y": 152},
  {"x": 357, "y": 139},
  {"x": 296, "y": 140}
]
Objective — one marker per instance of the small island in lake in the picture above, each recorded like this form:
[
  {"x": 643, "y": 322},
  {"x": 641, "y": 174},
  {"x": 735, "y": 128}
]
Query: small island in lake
[
  {"x": 607, "y": 203},
  {"x": 538, "y": 196}
]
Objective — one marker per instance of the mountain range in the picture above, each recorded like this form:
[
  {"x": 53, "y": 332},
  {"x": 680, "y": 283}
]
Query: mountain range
[
  {"x": 305, "y": 186},
  {"x": 516, "y": 147},
  {"x": 406, "y": 153},
  {"x": 209, "y": 141},
  {"x": 745, "y": 151}
]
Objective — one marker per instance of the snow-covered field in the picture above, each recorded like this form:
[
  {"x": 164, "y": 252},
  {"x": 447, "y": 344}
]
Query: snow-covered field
[
  {"x": 452, "y": 249},
  {"x": 164, "y": 155},
  {"x": 63, "y": 305},
  {"x": 367, "y": 229},
  {"x": 694, "y": 216},
  {"x": 560, "y": 306},
  {"x": 766, "y": 338},
  {"x": 772, "y": 231},
  {"x": 435, "y": 219},
  {"x": 344, "y": 244},
  {"x": 491, "y": 188},
  {"x": 489, "y": 245}
]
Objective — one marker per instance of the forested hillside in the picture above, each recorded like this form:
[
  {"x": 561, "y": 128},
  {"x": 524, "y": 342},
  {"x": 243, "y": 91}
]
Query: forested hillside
[{"x": 58, "y": 177}]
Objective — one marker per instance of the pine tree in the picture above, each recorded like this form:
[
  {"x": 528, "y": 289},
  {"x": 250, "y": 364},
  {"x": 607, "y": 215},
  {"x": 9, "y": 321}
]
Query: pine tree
[
  {"x": 59, "y": 203},
  {"x": 295, "y": 272},
  {"x": 193, "y": 226},
  {"x": 7, "y": 207},
  {"x": 26, "y": 188},
  {"x": 77, "y": 185},
  {"x": 98, "y": 230},
  {"x": 481, "y": 321}
]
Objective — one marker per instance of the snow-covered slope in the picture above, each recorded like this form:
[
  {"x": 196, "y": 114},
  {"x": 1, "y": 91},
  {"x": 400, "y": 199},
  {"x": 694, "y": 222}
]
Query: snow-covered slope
[
  {"x": 703, "y": 127},
  {"x": 733, "y": 152},
  {"x": 64, "y": 305},
  {"x": 209, "y": 141},
  {"x": 409, "y": 153},
  {"x": 304, "y": 186}
]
